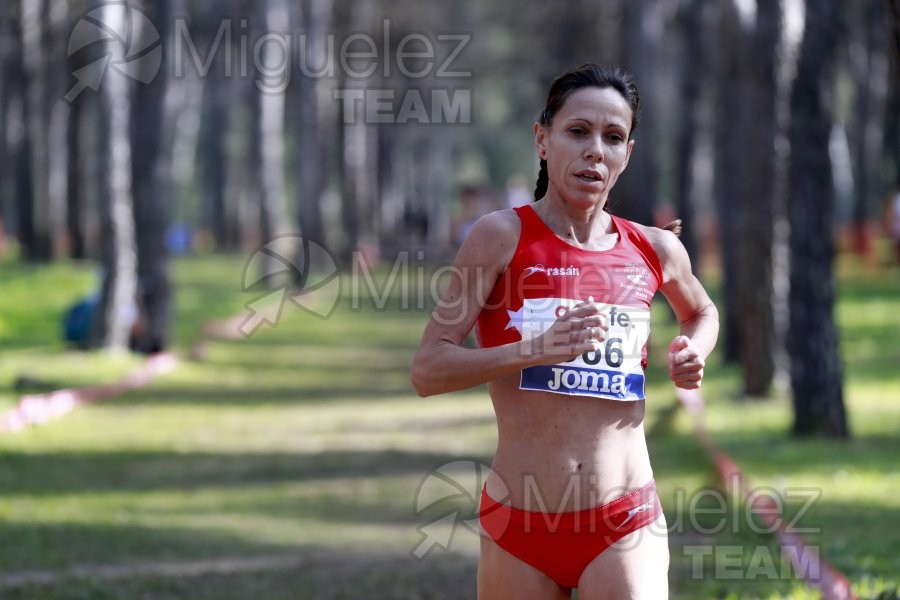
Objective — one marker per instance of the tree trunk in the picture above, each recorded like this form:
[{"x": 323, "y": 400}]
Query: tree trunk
[
  {"x": 242, "y": 188},
  {"x": 252, "y": 187},
  {"x": 816, "y": 371},
  {"x": 756, "y": 197},
  {"x": 76, "y": 160},
  {"x": 894, "y": 21},
  {"x": 119, "y": 253},
  {"x": 726, "y": 186},
  {"x": 74, "y": 170},
  {"x": 574, "y": 26},
  {"x": 212, "y": 140},
  {"x": 94, "y": 159},
  {"x": 271, "y": 141},
  {"x": 151, "y": 203},
  {"x": 891, "y": 139},
  {"x": 636, "y": 191},
  {"x": 59, "y": 113},
  {"x": 8, "y": 68},
  {"x": 870, "y": 71},
  {"x": 390, "y": 196},
  {"x": 358, "y": 164},
  {"x": 690, "y": 81},
  {"x": 184, "y": 104},
  {"x": 310, "y": 159},
  {"x": 212, "y": 156},
  {"x": 37, "y": 245}
]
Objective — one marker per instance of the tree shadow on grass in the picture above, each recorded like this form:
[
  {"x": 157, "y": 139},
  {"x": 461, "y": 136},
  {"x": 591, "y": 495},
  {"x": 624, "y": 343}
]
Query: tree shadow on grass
[
  {"x": 851, "y": 535},
  {"x": 337, "y": 359},
  {"x": 253, "y": 396},
  {"x": 322, "y": 573},
  {"x": 56, "y": 473},
  {"x": 331, "y": 573},
  {"x": 331, "y": 339},
  {"x": 368, "y": 571},
  {"x": 36, "y": 545},
  {"x": 872, "y": 351},
  {"x": 386, "y": 386},
  {"x": 857, "y": 536},
  {"x": 771, "y": 456}
]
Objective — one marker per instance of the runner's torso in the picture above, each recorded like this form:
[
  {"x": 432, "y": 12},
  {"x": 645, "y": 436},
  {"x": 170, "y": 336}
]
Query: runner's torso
[{"x": 582, "y": 418}]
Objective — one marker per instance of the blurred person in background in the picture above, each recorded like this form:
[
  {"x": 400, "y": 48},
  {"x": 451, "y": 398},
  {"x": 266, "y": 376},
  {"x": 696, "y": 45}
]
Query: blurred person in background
[
  {"x": 516, "y": 194},
  {"x": 467, "y": 214}
]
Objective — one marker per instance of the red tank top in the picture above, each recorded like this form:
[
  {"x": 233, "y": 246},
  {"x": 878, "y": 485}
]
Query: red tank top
[{"x": 546, "y": 276}]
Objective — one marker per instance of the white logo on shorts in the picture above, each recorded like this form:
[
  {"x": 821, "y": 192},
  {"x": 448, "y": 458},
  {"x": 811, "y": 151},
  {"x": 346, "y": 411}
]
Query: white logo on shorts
[{"x": 637, "y": 509}]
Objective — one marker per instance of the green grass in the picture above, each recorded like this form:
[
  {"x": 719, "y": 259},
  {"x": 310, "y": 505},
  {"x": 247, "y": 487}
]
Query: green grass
[
  {"x": 855, "y": 484},
  {"x": 306, "y": 441}
]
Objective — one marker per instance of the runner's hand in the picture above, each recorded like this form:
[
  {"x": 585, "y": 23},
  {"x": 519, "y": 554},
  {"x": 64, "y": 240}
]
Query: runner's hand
[
  {"x": 685, "y": 364},
  {"x": 578, "y": 330}
]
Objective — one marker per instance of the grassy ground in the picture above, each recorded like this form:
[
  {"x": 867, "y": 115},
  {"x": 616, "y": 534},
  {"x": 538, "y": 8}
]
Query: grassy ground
[{"x": 305, "y": 443}]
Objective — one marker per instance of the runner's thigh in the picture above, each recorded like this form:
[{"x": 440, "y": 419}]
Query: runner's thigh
[
  {"x": 636, "y": 567},
  {"x": 502, "y": 576}
]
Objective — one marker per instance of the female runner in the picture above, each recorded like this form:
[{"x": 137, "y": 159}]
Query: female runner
[{"x": 559, "y": 292}]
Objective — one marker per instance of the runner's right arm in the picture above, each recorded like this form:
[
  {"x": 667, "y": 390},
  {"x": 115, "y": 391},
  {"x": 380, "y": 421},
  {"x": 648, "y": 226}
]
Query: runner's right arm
[{"x": 442, "y": 364}]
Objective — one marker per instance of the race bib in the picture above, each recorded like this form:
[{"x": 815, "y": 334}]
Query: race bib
[{"x": 614, "y": 371}]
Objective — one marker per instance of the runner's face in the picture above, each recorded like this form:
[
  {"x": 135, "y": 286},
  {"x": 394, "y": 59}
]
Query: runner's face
[{"x": 586, "y": 145}]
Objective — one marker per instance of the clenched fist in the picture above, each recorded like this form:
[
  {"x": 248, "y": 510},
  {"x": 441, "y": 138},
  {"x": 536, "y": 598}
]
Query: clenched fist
[{"x": 685, "y": 364}]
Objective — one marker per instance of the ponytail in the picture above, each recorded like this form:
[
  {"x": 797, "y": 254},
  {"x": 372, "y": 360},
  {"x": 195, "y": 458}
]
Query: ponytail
[
  {"x": 674, "y": 227},
  {"x": 542, "y": 181}
]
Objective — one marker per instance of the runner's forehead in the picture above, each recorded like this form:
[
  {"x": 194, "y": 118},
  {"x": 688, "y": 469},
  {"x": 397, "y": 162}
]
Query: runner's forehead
[{"x": 596, "y": 106}]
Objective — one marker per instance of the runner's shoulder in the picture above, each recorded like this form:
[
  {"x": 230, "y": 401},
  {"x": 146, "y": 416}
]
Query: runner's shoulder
[
  {"x": 664, "y": 242},
  {"x": 492, "y": 241},
  {"x": 496, "y": 232}
]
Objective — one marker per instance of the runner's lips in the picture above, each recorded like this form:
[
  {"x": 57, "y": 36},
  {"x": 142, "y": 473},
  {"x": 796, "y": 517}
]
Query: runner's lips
[{"x": 589, "y": 175}]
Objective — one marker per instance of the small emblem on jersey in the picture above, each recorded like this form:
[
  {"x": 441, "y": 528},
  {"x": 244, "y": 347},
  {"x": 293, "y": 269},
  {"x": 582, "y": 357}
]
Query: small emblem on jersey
[
  {"x": 636, "y": 279},
  {"x": 533, "y": 269},
  {"x": 515, "y": 319},
  {"x": 636, "y": 273},
  {"x": 638, "y": 276}
]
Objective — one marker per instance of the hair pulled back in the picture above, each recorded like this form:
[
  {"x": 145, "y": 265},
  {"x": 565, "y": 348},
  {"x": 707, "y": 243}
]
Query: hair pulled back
[{"x": 587, "y": 75}]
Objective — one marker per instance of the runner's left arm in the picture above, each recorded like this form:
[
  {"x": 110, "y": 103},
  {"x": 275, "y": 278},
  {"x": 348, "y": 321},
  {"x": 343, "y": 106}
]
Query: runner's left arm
[{"x": 697, "y": 315}]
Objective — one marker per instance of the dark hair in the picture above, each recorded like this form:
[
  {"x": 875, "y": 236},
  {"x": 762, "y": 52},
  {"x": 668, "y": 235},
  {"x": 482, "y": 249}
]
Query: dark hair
[{"x": 587, "y": 75}]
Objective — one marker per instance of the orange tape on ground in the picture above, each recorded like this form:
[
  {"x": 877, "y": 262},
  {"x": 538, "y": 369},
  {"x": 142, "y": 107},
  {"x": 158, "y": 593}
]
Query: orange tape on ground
[
  {"x": 36, "y": 409},
  {"x": 807, "y": 561}
]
